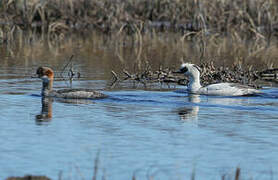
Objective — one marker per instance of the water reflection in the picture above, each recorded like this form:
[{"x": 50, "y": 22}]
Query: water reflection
[
  {"x": 190, "y": 114},
  {"x": 46, "y": 108},
  {"x": 46, "y": 111}
]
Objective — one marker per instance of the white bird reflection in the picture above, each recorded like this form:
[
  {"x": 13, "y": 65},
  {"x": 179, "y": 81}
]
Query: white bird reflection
[
  {"x": 191, "y": 111},
  {"x": 190, "y": 114}
]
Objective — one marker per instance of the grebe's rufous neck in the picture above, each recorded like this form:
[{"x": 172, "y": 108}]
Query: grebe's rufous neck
[
  {"x": 47, "y": 75},
  {"x": 192, "y": 71}
]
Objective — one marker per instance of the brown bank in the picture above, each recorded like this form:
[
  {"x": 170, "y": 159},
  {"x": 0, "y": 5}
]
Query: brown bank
[{"x": 29, "y": 177}]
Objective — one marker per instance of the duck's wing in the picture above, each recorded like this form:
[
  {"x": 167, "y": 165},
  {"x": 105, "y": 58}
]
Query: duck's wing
[
  {"x": 228, "y": 89},
  {"x": 79, "y": 94}
]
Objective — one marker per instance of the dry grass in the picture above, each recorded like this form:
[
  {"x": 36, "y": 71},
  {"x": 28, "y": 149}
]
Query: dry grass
[
  {"x": 138, "y": 31},
  {"x": 230, "y": 176},
  {"x": 250, "y": 18},
  {"x": 134, "y": 52}
]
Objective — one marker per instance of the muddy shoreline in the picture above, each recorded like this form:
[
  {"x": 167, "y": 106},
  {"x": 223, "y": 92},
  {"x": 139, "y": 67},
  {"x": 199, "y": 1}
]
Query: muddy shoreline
[{"x": 29, "y": 177}]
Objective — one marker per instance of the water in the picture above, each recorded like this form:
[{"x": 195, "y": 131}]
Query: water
[
  {"x": 165, "y": 134},
  {"x": 158, "y": 132}
]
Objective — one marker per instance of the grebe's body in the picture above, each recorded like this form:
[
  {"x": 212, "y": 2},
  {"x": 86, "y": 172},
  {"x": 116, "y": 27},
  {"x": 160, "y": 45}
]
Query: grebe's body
[
  {"x": 47, "y": 76},
  {"x": 192, "y": 71}
]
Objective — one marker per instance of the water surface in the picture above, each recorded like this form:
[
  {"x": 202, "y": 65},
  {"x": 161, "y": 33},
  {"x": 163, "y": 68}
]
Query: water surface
[{"x": 160, "y": 132}]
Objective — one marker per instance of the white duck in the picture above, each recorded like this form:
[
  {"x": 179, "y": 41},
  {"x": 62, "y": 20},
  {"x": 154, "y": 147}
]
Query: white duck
[{"x": 219, "y": 89}]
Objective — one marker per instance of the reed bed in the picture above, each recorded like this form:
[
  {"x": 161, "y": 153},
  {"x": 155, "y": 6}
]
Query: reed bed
[
  {"x": 161, "y": 32},
  {"x": 135, "y": 52},
  {"x": 249, "y": 17}
]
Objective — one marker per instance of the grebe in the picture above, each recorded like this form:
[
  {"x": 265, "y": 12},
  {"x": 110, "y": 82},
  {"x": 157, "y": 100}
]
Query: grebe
[
  {"x": 46, "y": 110},
  {"x": 46, "y": 74},
  {"x": 220, "y": 89}
]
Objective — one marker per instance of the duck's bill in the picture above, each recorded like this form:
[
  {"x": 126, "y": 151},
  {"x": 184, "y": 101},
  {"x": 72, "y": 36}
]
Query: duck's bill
[{"x": 177, "y": 72}]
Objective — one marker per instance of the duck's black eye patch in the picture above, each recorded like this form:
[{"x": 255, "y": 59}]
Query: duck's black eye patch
[
  {"x": 197, "y": 67},
  {"x": 183, "y": 70}
]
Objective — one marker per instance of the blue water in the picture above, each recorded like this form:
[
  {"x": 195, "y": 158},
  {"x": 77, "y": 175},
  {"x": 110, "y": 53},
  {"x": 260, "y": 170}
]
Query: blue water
[{"x": 146, "y": 133}]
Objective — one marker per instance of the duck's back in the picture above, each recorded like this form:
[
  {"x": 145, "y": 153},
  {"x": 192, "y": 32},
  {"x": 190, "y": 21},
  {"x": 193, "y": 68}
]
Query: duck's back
[
  {"x": 78, "y": 94},
  {"x": 228, "y": 89}
]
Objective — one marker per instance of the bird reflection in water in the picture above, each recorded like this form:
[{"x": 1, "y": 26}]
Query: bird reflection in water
[
  {"x": 46, "y": 111},
  {"x": 190, "y": 114}
]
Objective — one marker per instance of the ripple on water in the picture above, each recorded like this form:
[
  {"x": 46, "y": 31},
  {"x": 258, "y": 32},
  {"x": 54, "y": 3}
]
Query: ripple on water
[{"x": 148, "y": 131}]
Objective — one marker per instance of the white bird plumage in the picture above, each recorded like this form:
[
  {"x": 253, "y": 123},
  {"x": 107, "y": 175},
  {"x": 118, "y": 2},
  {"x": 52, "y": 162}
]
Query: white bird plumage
[{"x": 192, "y": 71}]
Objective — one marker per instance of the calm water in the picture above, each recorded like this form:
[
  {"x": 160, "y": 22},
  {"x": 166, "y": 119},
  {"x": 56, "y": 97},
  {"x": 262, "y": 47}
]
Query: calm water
[{"x": 165, "y": 134}]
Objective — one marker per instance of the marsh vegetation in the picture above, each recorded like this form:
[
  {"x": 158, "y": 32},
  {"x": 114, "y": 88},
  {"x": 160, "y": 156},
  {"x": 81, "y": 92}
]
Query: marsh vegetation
[{"x": 133, "y": 32}]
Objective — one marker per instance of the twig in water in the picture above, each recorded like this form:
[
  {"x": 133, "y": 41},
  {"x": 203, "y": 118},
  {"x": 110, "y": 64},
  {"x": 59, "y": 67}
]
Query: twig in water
[
  {"x": 115, "y": 76},
  {"x": 127, "y": 74},
  {"x": 70, "y": 59},
  {"x": 79, "y": 172},
  {"x": 60, "y": 175},
  {"x": 237, "y": 173},
  {"x": 96, "y": 166}
]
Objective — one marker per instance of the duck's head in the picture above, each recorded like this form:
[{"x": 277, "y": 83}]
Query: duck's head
[
  {"x": 45, "y": 73},
  {"x": 191, "y": 70}
]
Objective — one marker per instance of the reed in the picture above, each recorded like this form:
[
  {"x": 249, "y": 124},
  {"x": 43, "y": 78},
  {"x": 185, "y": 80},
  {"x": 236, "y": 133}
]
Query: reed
[
  {"x": 161, "y": 32},
  {"x": 250, "y": 18},
  {"x": 236, "y": 176}
]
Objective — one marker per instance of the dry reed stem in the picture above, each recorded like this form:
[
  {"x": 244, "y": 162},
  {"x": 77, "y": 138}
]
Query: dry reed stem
[{"x": 226, "y": 32}]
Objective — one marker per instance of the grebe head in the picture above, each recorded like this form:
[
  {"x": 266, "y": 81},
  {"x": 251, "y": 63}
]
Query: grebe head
[{"x": 45, "y": 73}]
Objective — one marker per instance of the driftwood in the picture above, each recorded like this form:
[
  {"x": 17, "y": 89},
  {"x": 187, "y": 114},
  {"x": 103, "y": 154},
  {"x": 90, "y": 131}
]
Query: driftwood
[
  {"x": 209, "y": 75},
  {"x": 147, "y": 77},
  {"x": 236, "y": 74},
  {"x": 269, "y": 74}
]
